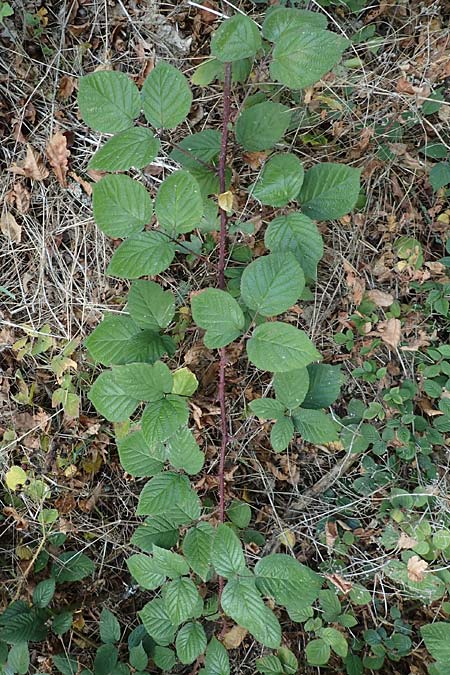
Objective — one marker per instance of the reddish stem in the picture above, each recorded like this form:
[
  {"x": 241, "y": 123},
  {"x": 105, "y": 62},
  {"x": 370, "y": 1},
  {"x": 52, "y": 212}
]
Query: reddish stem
[{"x": 221, "y": 284}]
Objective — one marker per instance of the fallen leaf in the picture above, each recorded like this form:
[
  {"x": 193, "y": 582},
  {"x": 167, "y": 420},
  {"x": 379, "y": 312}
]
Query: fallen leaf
[
  {"x": 32, "y": 166},
  {"x": 356, "y": 286},
  {"x": 21, "y": 522},
  {"x": 234, "y": 637},
  {"x": 380, "y": 298},
  {"x": 66, "y": 87},
  {"x": 390, "y": 332},
  {"x": 427, "y": 408},
  {"x": 255, "y": 160},
  {"x": 225, "y": 201},
  {"x": 416, "y": 568},
  {"x": 10, "y": 227},
  {"x": 58, "y": 155},
  {"x": 87, "y": 187},
  {"x": 287, "y": 538},
  {"x": 406, "y": 542},
  {"x": 331, "y": 534},
  {"x": 340, "y": 583},
  {"x": 20, "y": 197}
]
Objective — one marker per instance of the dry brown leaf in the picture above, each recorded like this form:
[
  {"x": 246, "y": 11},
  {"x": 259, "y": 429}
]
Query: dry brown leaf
[
  {"x": 427, "y": 408},
  {"x": 22, "y": 197},
  {"x": 390, "y": 332},
  {"x": 380, "y": 298},
  {"x": 21, "y": 522},
  {"x": 58, "y": 155},
  {"x": 32, "y": 166},
  {"x": 87, "y": 187},
  {"x": 406, "y": 542},
  {"x": 234, "y": 637},
  {"x": 340, "y": 583},
  {"x": 331, "y": 534},
  {"x": 10, "y": 227},
  {"x": 66, "y": 87},
  {"x": 416, "y": 568},
  {"x": 255, "y": 160},
  {"x": 356, "y": 286}
]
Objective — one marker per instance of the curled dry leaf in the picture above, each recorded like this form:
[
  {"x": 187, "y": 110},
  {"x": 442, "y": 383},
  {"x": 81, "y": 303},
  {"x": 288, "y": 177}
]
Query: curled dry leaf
[
  {"x": 340, "y": 583},
  {"x": 21, "y": 522},
  {"x": 10, "y": 227},
  {"x": 380, "y": 298},
  {"x": 58, "y": 155},
  {"x": 32, "y": 167},
  {"x": 66, "y": 87},
  {"x": 406, "y": 542},
  {"x": 234, "y": 637},
  {"x": 390, "y": 332},
  {"x": 416, "y": 568},
  {"x": 331, "y": 534}
]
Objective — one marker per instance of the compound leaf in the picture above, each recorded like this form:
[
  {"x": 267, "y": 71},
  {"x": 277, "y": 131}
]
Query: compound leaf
[{"x": 137, "y": 458}]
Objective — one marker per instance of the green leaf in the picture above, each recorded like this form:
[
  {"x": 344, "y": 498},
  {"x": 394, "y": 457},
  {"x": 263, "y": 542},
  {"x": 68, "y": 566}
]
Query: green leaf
[
  {"x": 185, "y": 382},
  {"x": 280, "y": 19},
  {"x": 193, "y": 151},
  {"x": 289, "y": 661},
  {"x": 118, "y": 340},
  {"x": 62, "y": 622},
  {"x": 43, "y": 593},
  {"x": 105, "y": 659},
  {"x": 109, "y": 627},
  {"x": 108, "y": 101},
  {"x": 270, "y": 665},
  {"x": 149, "y": 305},
  {"x": 437, "y": 640},
  {"x": 330, "y": 604},
  {"x": 239, "y": 513},
  {"x": 197, "y": 546},
  {"x": 440, "y": 175},
  {"x": 157, "y": 530},
  {"x": 161, "y": 419},
  {"x": 144, "y": 381},
  {"x": 315, "y": 426},
  {"x": 267, "y": 408},
  {"x": 164, "y": 658},
  {"x": 291, "y": 387},
  {"x": 137, "y": 458},
  {"x": 208, "y": 71},
  {"x": 236, "y": 38},
  {"x": 324, "y": 385},
  {"x": 336, "y": 640},
  {"x": 227, "y": 555},
  {"x": 216, "y": 659},
  {"x": 329, "y": 191},
  {"x": 317, "y": 652},
  {"x": 190, "y": 642},
  {"x": 179, "y": 203},
  {"x": 147, "y": 571},
  {"x": 300, "y": 59},
  {"x": 280, "y": 347},
  {"x": 135, "y": 147},
  {"x": 280, "y": 180},
  {"x": 282, "y": 434},
  {"x": 180, "y": 598},
  {"x": 272, "y": 283},
  {"x": 262, "y": 125},
  {"x": 218, "y": 313},
  {"x": 173, "y": 564},
  {"x": 166, "y": 97},
  {"x": 157, "y": 622},
  {"x": 166, "y": 490},
  {"x": 242, "y": 602},
  {"x": 138, "y": 657},
  {"x": 286, "y": 580},
  {"x": 298, "y": 234},
  {"x": 110, "y": 400},
  {"x": 19, "y": 658},
  {"x": 183, "y": 452},
  {"x": 146, "y": 253},
  {"x": 65, "y": 664},
  {"x": 121, "y": 206},
  {"x": 72, "y": 566},
  {"x": 20, "y": 623}
]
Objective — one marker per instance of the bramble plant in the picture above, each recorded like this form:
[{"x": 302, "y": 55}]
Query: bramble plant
[{"x": 299, "y": 50}]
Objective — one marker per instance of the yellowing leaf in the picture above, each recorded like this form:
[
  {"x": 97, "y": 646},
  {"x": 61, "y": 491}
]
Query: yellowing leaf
[
  {"x": 225, "y": 201},
  {"x": 184, "y": 382},
  {"x": 14, "y": 477},
  {"x": 234, "y": 637},
  {"x": 287, "y": 538}
]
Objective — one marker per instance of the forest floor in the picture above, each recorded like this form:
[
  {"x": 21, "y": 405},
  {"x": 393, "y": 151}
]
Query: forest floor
[{"x": 381, "y": 300}]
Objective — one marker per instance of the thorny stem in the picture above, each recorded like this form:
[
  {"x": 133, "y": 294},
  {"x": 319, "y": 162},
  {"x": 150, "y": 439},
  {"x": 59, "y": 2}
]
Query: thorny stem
[{"x": 221, "y": 284}]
